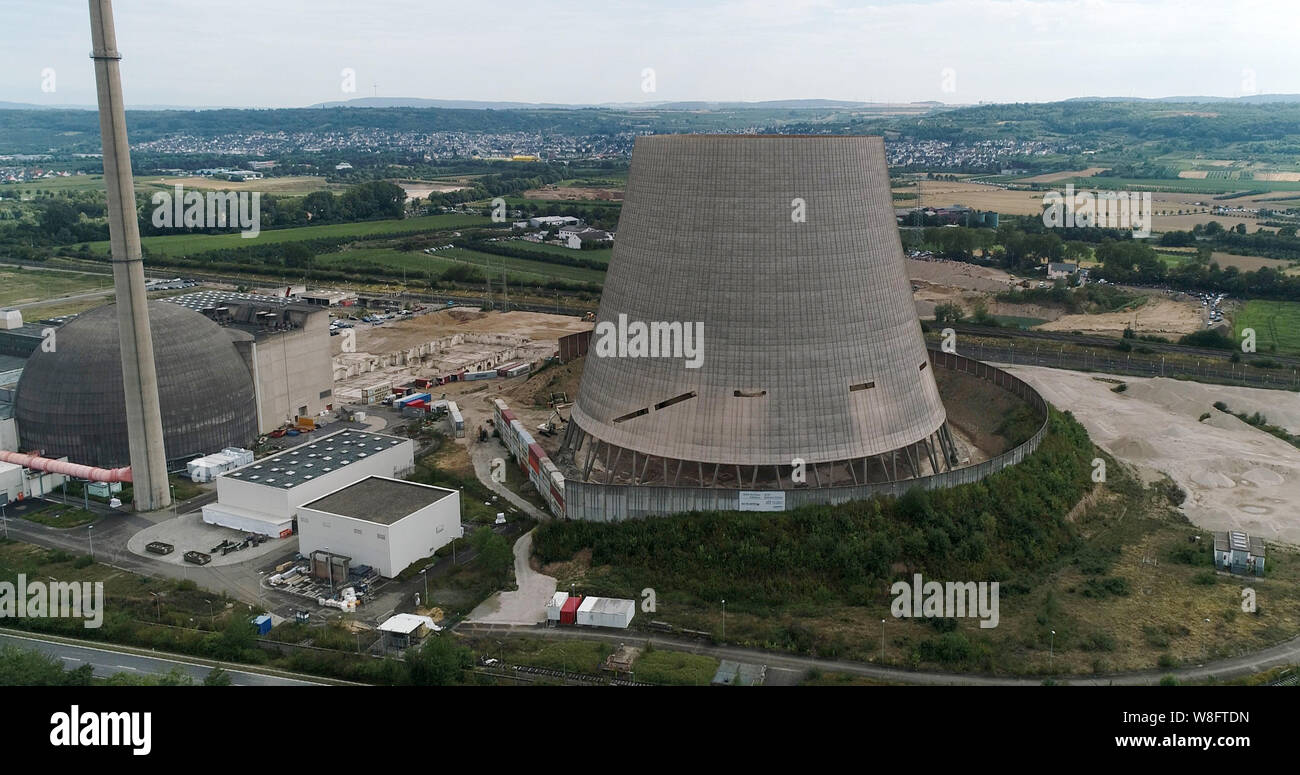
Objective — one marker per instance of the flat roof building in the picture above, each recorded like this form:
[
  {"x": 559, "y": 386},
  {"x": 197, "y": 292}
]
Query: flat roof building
[
  {"x": 382, "y": 522},
  {"x": 264, "y": 497}
]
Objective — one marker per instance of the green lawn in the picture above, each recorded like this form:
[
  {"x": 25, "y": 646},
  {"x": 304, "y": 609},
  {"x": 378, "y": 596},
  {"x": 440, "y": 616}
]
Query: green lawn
[
  {"x": 185, "y": 244},
  {"x": 19, "y": 286},
  {"x": 1276, "y": 323}
]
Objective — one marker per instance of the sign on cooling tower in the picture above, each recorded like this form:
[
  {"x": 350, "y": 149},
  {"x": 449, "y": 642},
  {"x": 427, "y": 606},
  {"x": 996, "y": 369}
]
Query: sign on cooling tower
[{"x": 759, "y": 500}]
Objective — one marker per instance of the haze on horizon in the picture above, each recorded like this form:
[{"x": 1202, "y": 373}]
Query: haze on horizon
[{"x": 292, "y": 53}]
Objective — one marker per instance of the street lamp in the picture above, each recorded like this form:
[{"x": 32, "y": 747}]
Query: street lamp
[
  {"x": 1051, "y": 652},
  {"x": 90, "y": 536},
  {"x": 426, "y": 584},
  {"x": 882, "y": 641},
  {"x": 212, "y": 618},
  {"x": 724, "y": 620},
  {"x": 158, "y": 599}
]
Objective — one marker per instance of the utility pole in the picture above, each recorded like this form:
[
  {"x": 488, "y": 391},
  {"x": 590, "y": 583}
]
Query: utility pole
[{"x": 139, "y": 376}]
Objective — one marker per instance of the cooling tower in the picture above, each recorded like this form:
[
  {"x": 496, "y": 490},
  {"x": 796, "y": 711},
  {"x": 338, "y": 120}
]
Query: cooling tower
[{"x": 782, "y": 253}]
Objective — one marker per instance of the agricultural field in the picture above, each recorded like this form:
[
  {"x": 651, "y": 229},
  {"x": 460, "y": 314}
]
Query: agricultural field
[
  {"x": 24, "y": 286},
  {"x": 518, "y": 269},
  {"x": 288, "y": 185},
  {"x": 556, "y": 250},
  {"x": 524, "y": 267},
  {"x": 187, "y": 244},
  {"x": 1276, "y": 324}
]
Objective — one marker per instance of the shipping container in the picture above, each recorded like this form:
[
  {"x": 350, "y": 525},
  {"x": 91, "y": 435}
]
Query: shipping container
[
  {"x": 554, "y": 607},
  {"x": 506, "y": 367},
  {"x": 569, "y": 611},
  {"x": 519, "y": 370},
  {"x": 471, "y": 376},
  {"x": 535, "y": 456}
]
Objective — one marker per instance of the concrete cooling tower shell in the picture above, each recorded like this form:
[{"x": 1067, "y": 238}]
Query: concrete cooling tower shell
[
  {"x": 71, "y": 401},
  {"x": 786, "y": 250}
]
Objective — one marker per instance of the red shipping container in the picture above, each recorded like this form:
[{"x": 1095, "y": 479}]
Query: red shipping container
[
  {"x": 569, "y": 611},
  {"x": 508, "y": 416},
  {"x": 535, "y": 455}
]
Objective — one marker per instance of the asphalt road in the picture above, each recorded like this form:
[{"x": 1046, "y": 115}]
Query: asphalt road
[{"x": 107, "y": 662}]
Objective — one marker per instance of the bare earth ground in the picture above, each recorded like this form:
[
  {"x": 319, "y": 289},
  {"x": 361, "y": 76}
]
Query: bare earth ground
[
  {"x": 1052, "y": 177},
  {"x": 398, "y": 335},
  {"x": 574, "y": 193},
  {"x": 1158, "y": 316},
  {"x": 296, "y": 183},
  {"x": 1236, "y": 477}
]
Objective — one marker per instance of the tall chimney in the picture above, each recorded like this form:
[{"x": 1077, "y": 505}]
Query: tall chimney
[{"x": 139, "y": 378}]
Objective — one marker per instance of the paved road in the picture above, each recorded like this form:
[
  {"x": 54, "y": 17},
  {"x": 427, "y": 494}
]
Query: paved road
[
  {"x": 107, "y": 662},
  {"x": 527, "y": 605},
  {"x": 1287, "y": 653}
]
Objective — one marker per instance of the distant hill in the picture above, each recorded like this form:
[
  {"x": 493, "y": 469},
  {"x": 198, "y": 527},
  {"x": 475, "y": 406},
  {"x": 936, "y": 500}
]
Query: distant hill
[
  {"x": 1251, "y": 99},
  {"x": 420, "y": 102}
]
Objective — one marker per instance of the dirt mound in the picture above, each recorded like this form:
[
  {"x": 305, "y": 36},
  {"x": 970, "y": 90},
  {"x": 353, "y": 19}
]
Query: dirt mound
[
  {"x": 1263, "y": 477},
  {"x": 1131, "y": 448},
  {"x": 466, "y": 315}
]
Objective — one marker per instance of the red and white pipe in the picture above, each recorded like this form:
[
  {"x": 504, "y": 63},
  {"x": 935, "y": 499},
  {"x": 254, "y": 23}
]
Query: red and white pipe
[{"x": 89, "y": 473}]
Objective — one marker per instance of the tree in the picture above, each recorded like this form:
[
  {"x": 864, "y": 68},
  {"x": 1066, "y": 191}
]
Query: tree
[
  {"x": 439, "y": 662},
  {"x": 217, "y": 677}
]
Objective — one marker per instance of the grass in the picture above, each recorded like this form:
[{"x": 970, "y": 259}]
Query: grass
[
  {"x": 675, "y": 667},
  {"x": 577, "y": 656},
  {"x": 602, "y": 254},
  {"x": 523, "y": 267},
  {"x": 1276, "y": 324},
  {"x": 186, "y": 244},
  {"x": 60, "y": 515},
  {"x": 20, "y": 286}
]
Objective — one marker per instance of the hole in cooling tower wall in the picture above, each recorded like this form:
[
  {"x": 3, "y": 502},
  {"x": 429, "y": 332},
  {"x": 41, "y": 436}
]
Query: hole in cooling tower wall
[
  {"x": 862, "y": 386},
  {"x": 749, "y": 393},
  {"x": 632, "y": 415},
  {"x": 923, "y": 365},
  {"x": 676, "y": 400}
]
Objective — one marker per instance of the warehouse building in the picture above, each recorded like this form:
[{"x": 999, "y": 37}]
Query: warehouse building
[
  {"x": 382, "y": 522},
  {"x": 265, "y": 497}
]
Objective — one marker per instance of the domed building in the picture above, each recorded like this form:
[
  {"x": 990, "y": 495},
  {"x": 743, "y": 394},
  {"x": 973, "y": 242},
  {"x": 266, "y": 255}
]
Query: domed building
[{"x": 71, "y": 401}]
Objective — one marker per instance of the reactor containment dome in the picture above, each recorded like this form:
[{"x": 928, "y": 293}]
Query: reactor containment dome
[
  {"x": 70, "y": 400},
  {"x": 777, "y": 261}
]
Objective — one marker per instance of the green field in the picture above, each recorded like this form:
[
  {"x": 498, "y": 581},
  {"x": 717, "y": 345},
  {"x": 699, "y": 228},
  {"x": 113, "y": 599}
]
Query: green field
[
  {"x": 20, "y": 286},
  {"x": 602, "y": 254},
  {"x": 518, "y": 269},
  {"x": 188, "y": 244},
  {"x": 524, "y": 267},
  {"x": 1186, "y": 185},
  {"x": 1276, "y": 324}
]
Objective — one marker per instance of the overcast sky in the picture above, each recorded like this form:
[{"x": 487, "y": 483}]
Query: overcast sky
[{"x": 290, "y": 53}]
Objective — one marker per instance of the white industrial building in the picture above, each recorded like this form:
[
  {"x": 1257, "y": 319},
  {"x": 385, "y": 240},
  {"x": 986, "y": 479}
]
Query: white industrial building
[
  {"x": 381, "y": 522},
  {"x": 17, "y": 483},
  {"x": 264, "y": 497},
  {"x": 606, "y": 612}
]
